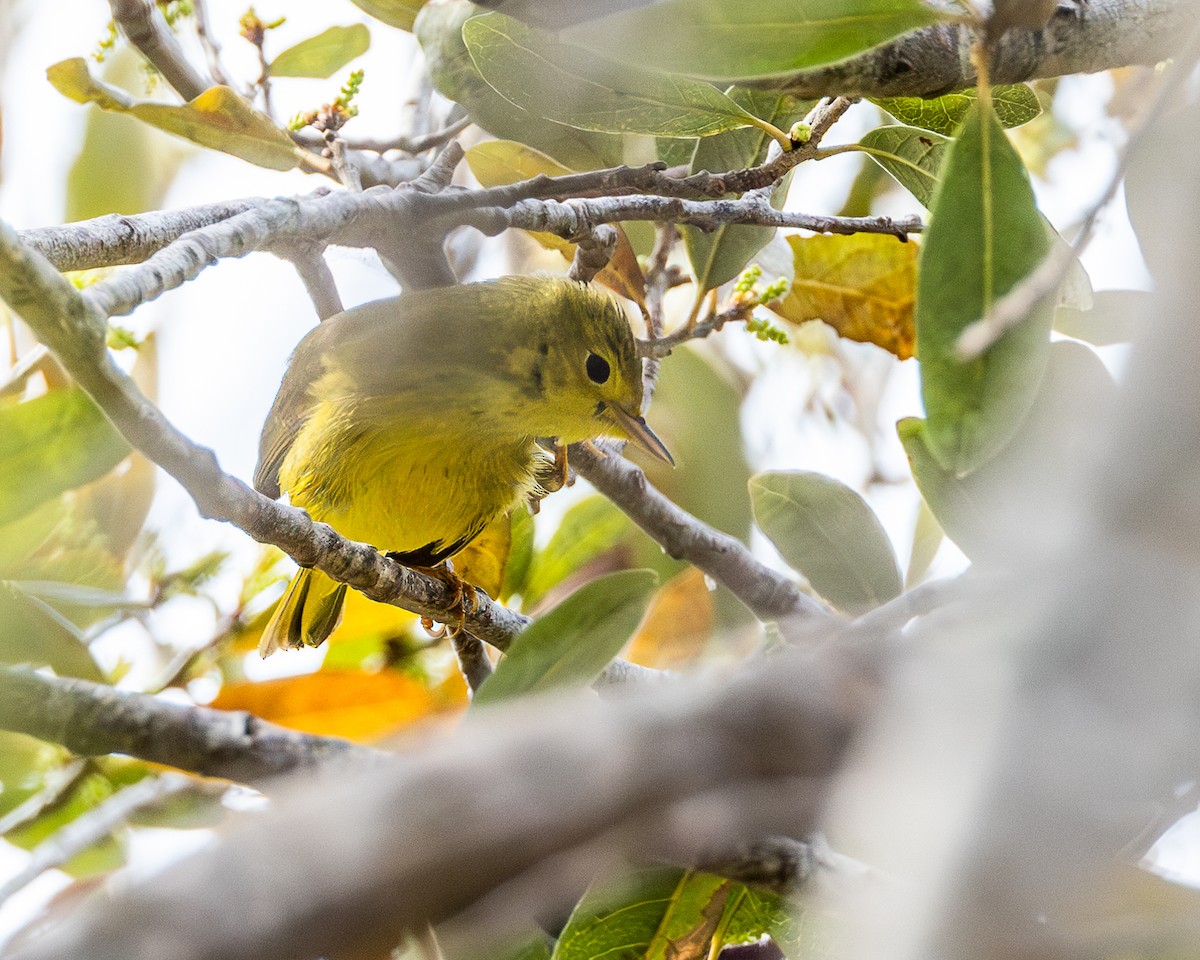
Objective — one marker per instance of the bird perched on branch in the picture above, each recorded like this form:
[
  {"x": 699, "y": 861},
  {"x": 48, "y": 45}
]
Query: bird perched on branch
[{"x": 412, "y": 423}]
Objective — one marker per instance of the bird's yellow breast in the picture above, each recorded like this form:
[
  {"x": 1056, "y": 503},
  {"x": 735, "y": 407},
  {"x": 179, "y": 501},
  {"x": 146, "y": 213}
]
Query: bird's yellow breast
[{"x": 402, "y": 482}]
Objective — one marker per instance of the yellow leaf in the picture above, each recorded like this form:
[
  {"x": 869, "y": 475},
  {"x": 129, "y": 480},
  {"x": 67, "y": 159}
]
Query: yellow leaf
[
  {"x": 218, "y": 118},
  {"x": 353, "y": 705},
  {"x": 863, "y": 286},
  {"x": 497, "y": 163},
  {"x": 678, "y": 624}
]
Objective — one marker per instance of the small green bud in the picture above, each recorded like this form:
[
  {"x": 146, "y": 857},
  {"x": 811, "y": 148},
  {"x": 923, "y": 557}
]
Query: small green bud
[{"x": 800, "y": 132}]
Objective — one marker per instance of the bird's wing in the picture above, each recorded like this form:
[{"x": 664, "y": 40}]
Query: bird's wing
[{"x": 292, "y": 406}]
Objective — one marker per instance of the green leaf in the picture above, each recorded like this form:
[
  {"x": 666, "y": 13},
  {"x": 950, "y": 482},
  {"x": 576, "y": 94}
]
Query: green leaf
[
  {"x": 750, "y": 913},
  {"x": 721, "y": 254},
  {"x": 927, "y": 541},
  {"x": 910, "y": 154},
  {"x": 34, "y": 633},
  {"x": 590, "y": 528},
  {"x": 728, "y": 41},
  {"x": 27, "y": 767},
  {"x": 323, "y": 55},
  {"x": 653, "y": 914},
  {"x": 574, "y": 86},
  {"x": 439, "y": 29},
  {"x": 123, "y": 165},
  {"x": 53, "y": 443},
  {"x": 1115, "y": 317},
  {"x": 827, "y": 532},
  {"x": 572, "y": 642},
  {"x": 1014, "y": 104},
  {"x": 520, "y": 553},
  {"x": 396, "y": 13},
  {"x": 218, "y": 118},
  {"x": 86, "y": 792},
  {"x": 996, "y": 511},
  {"x": 985, "y": 236}
]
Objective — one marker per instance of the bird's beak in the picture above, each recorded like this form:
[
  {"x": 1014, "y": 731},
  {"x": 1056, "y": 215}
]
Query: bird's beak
[{"x": 637, "y": 431}]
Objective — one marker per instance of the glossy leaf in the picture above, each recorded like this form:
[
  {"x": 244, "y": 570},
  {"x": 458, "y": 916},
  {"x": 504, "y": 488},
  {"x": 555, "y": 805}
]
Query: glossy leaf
[
  {"x": 574, "y": 86},
  {"x": 985, "y": 236},
  {"x": 439, "y": 28},
  {"x": 53, "y": 443},
  {"x": 1014, "y": 105},
  {"x": 826, "y": 531},
  {"x": 719, "y": 255},
  {"x": 38, "y": 635},
  {"x": 667, "y": 913},
  {"x": 864, "y": 286},
  {"x": 590, "y": 528},
  {"x": 750, "y": 913},
  {"x": 501, "y": 162},
  {"x": 730, "y": 41},
  {"x": 572, "y": 642},
  {"x": 355, "y": 705},
  {"x": 913, "y": 156},
  {"x": 397, "y": 13},
  {"x": 655, "y": 913},
  {"x": 323, "y": 55},
  {"x": 218, "y": 118}
]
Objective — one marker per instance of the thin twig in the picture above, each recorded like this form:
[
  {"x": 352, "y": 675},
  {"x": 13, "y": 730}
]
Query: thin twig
[
  {"x": 54, "y": 788},
  {"x": 411, "y": 145},
  {"x": 593, "y": 251},
  {"x": 768, "y": 594},
  {"x": 472, "y": 658},
  {"x": 88, "y": 829},
  {"x": 1046, "y": 278},
  {"x": 143, "y": 24},
  {"x": 212, "y": 50},
  {"x": 309, "y": 261}
]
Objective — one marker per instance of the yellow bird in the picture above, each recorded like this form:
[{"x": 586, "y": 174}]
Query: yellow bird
[{"x": 412, "y": 423}]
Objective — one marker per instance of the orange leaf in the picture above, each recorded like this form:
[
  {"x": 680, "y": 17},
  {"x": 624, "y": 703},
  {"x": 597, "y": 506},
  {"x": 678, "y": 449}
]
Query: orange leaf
[
  {"x": 357, "y": 706},
  {"x": 678, "y": 624}
]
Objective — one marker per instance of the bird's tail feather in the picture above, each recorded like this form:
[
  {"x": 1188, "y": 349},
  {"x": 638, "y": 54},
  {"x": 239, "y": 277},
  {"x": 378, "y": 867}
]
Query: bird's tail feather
[{"x": 308, "y": 613}]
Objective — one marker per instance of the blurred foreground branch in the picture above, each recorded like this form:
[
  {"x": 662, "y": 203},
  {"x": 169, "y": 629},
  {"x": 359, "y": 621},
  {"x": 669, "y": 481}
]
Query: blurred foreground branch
[{"x": 353, "y": 861}]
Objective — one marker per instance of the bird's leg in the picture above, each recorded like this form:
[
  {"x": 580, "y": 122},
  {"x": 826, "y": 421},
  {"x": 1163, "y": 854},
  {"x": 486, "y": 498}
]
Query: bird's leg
[
  {"x": 551, "y": 476},
  {"x": 462, "y": 606}
]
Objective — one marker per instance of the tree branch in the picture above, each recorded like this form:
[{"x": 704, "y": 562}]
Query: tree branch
[
  {"x": 146, "y": 29},
  {"x": 372, "y": 857},
  {"x": 769, "y": 595},
  {"x": 1080, "y": 38},
  {"x": 93, "y": 719},
  {"x": 576, "y": 217}
]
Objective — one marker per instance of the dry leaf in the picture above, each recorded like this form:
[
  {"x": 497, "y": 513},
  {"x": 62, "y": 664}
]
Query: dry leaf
[{"x": 864, "y": 286}]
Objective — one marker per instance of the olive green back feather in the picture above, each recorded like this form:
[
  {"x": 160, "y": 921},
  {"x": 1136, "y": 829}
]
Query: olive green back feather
[{"x": 438, "y": 342}]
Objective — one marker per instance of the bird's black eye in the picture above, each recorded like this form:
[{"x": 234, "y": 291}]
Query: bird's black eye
[{"x": 597, "y": 368}]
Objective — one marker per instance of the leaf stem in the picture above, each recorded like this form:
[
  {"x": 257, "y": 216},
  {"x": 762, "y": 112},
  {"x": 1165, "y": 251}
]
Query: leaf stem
[{"x": 784, "y": 141}]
